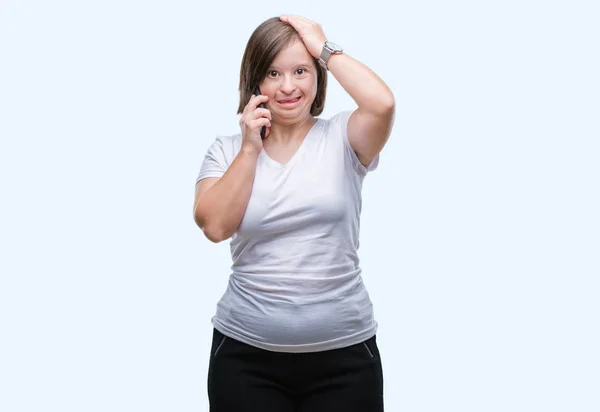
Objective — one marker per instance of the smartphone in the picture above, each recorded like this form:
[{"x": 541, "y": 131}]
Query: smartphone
[{"x": 263, "y": 130}]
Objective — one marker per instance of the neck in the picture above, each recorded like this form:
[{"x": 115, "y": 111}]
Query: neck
[{"x": 290, "y": 131}]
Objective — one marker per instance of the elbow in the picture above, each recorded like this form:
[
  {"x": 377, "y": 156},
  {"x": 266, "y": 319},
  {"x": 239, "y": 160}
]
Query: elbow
[
  {"x": 214, "y": 236},
  {"x": 383, "y": 105},
  {"x": 214, "y": 233},
  {"x": 211, "y": 231},
  {"x": 388, "y": 104}
]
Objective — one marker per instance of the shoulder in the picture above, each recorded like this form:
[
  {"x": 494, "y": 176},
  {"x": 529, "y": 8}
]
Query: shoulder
[
  {"x": 340, "y": 118},
  {"x": 226, "y": 144},
  {"x": 337, "y": 123},
  {"x": 227, "y": 140},
  {"x": 222, "y": 150}
]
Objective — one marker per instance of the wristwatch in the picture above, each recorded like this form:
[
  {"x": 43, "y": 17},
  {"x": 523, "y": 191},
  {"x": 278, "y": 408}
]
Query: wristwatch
[{"x": 329, "y": 48}]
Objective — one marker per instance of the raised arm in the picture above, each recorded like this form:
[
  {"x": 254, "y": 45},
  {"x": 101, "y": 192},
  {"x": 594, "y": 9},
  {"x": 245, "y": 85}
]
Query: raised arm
[{"x": 370, "y": 125}]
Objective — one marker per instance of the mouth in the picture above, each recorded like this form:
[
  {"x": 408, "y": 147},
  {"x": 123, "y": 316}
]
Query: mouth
[{"x": 289, "y": 102}]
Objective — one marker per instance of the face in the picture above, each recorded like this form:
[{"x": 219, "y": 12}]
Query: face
[{"x": 290, "y": 84}]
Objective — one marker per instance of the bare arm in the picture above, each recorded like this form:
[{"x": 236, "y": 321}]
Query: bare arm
[
  {"x": 220, "y": 203},
  {"x": 371, "y": 123}
]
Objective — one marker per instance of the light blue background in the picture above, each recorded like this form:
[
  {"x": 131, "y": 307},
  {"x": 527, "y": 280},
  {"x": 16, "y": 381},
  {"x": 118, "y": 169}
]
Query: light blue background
[{"x": 480, "y": 233}]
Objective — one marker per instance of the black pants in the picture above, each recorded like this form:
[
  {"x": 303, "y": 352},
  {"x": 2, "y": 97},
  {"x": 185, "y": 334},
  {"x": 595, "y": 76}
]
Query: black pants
[{"x": 243, "y": 378}]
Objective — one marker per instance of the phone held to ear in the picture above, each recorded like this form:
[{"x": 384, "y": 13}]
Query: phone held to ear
[{"x": 263, "y": 129}]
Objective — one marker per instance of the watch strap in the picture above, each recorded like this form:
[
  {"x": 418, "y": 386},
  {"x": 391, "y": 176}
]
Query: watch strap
[{"x": 326, "y": 53}]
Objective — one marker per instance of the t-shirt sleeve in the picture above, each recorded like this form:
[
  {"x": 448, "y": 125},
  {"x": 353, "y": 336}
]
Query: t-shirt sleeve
[
  {"x": 342, "y": 119},
  {"x": 216, "y": 160}
]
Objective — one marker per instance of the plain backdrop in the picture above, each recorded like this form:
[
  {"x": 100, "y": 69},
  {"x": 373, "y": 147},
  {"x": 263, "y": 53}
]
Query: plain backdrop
[{"x": 480, "y": 236}]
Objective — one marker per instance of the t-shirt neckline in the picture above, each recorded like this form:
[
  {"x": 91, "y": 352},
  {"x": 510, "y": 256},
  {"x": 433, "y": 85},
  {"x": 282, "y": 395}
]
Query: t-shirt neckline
[{"x": 296, "y": 154}]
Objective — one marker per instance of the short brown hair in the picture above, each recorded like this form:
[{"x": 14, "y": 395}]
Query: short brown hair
[{"x": 264, "y": 44}]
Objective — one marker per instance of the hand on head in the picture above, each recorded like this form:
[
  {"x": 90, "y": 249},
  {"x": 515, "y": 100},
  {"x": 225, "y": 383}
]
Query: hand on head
[{"x": 310, "y": 32}]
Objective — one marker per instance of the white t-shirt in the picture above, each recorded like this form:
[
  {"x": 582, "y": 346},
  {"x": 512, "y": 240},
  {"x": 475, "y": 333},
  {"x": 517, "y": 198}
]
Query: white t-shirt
[{"x": 295, "y": 283}]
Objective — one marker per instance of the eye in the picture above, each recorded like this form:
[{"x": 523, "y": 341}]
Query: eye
[
  {"x": 300, "y": 71},
  {"x": 272, "y": 73}
]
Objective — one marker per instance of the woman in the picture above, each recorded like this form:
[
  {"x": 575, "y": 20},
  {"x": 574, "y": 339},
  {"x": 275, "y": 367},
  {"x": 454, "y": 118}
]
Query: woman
[{"x": 295, "y": 329}]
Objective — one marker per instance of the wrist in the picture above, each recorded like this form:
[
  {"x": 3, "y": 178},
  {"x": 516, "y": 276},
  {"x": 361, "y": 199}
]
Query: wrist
[
  {"x": 329, "y": 49},
  {"x": 250, "y": 150}
]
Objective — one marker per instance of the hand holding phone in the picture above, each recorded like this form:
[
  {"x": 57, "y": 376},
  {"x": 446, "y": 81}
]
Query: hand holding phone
[
  {"x": 263, "y": 129},
  {"x": 255, "y": 122}
]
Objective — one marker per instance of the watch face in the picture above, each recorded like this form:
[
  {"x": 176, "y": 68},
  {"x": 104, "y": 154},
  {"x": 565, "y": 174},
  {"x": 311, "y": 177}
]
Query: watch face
[{"x": 334, "y": 47}]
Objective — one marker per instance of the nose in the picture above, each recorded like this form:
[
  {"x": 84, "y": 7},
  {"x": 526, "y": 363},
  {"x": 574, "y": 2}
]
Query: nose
[{"x": 287, "y": 85}]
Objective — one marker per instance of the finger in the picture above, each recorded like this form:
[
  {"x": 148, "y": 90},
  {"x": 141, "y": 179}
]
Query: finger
[
  {"x": 301, "y": 20},
  {"x": 295, "y": 21},
  {"x": 259, "y": 101},
  {"x": 287, "y": 17},
  {"x": 254, "y": 102},
  {"x": 304, "y": 19},
  {"x": 261, "y": 98},
  {"x": 260, "y": 122},
  {"x": 253, "y": 97},
  {"x": 252, "y": 121},
  {"x": 258, "y": 113}
]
